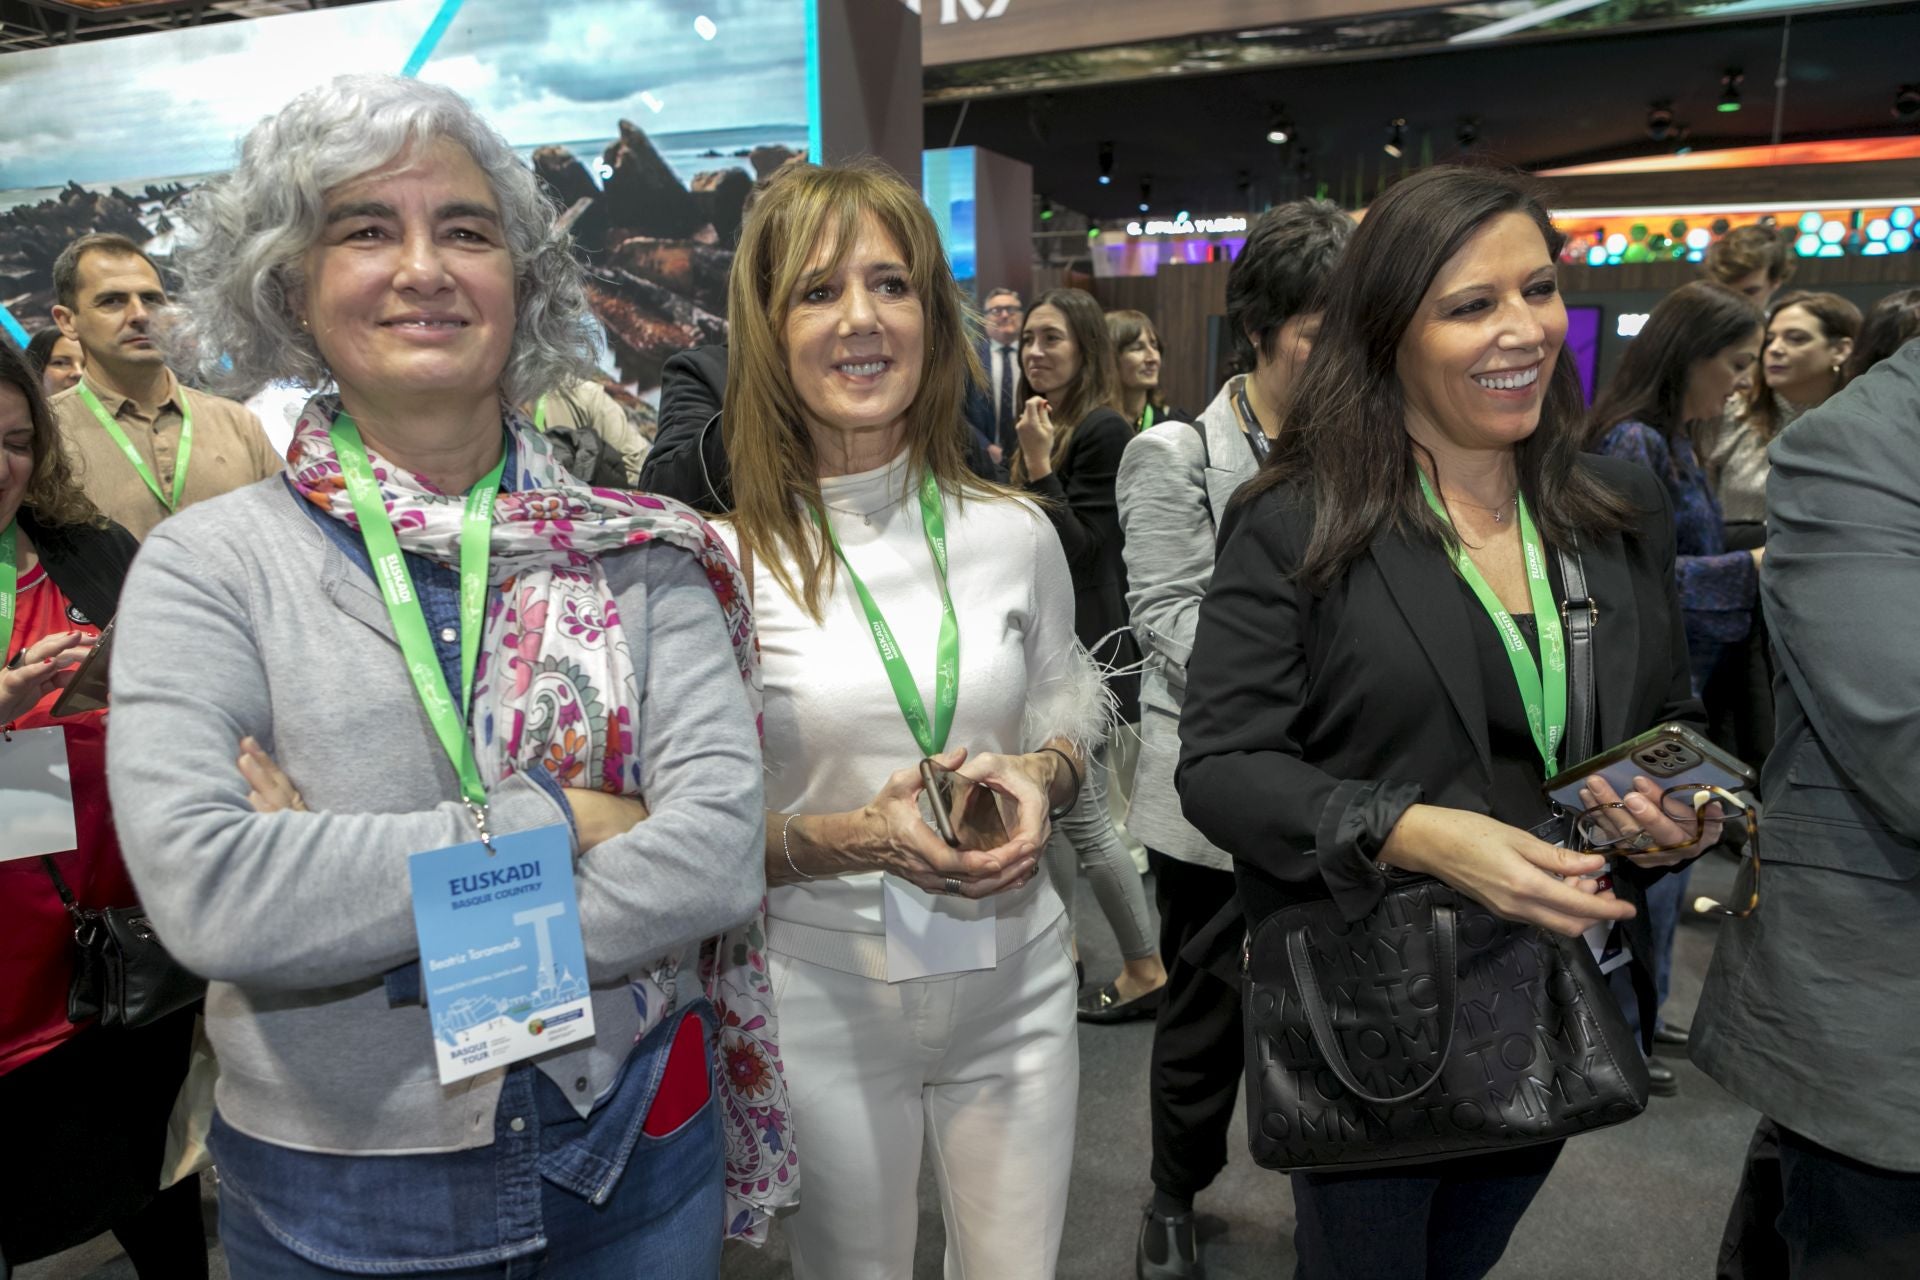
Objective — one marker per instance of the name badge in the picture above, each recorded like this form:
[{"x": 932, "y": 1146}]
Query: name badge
[
  {"x": 36, "y": 794},
  {"x": 501, "y": 954}
]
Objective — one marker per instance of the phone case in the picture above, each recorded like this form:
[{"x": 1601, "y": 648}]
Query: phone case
[{"x": 1669, "y": 754}]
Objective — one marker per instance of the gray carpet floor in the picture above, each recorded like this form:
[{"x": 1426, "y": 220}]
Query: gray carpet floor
[{"x": 1643, "y": 1201}]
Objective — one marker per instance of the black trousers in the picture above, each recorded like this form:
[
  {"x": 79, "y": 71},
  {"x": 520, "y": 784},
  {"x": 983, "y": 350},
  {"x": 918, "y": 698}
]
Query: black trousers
[
  {"x": 1449, "y": 1220},
  {"x": 86, "y": 1130},
  {"x": 1843, "y": 1219},
  {"x": 1197, "y": 1050}
]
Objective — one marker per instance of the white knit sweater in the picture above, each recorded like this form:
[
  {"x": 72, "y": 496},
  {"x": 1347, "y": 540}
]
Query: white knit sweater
[{"x": 833, "y": 727}]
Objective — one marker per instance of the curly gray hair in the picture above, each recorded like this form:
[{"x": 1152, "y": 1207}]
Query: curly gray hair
[{"x": 254, "y": 225}]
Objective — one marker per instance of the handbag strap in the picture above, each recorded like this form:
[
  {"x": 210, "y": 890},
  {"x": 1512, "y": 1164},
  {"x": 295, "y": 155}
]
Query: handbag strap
[
  {"x": 74, "y": 909},
  {"x": 1577, "y": 618},
  {"x": 1446, "y": 975}
]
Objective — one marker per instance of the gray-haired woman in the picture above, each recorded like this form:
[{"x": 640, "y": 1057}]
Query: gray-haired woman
[{"x": 427, "y": 699}]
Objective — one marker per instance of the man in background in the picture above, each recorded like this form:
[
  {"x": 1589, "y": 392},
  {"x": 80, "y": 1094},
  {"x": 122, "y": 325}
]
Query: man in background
[{"x": 142, "y": 445}]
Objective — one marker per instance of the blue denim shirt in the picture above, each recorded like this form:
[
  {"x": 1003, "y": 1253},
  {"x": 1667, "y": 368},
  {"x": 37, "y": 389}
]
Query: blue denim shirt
[{"x": 376, "y": 1214}]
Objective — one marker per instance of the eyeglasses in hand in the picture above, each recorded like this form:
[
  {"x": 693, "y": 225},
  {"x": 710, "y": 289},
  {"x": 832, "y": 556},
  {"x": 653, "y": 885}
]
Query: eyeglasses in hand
[{"x": 1608, "y": 828}]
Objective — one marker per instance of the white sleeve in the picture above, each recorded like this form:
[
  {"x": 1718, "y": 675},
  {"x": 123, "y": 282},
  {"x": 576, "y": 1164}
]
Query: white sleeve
[{"x": 1066, "y": 697}]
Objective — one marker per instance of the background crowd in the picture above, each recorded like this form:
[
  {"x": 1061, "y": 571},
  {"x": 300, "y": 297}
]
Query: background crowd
[{"x": 889, "y": 553}]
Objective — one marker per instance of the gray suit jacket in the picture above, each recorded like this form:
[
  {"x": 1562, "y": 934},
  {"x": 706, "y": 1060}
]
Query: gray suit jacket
[
  {"x": 1174, "y": 484},
  {"x": 1808, "y": 1009}
]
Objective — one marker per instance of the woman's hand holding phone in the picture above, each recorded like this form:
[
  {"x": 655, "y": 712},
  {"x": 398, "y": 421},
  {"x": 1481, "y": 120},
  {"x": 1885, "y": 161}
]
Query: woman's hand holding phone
[
  {"x": 899, "y": 841},
  {"x": 1639, "y": 817}
]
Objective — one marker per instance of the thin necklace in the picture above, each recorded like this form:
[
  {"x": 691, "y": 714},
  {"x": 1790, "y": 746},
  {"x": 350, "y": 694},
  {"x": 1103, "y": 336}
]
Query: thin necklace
[
  {"x": 866, "y": 517},
  {"x": 1499, "y": 513}
]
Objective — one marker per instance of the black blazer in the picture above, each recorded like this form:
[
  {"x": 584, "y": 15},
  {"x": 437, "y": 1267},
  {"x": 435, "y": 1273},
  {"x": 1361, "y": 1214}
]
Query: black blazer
[
  {"x": 1312, "y": 723},
  {"x": 1085, "y": 509}
]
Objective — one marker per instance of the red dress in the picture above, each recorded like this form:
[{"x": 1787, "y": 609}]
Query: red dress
[{"x": 36, "y": 936}]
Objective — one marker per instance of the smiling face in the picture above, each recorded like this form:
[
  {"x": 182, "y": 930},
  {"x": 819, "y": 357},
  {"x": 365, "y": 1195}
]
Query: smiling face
[
  {"x": 116, "y": 305},
  {"x": 1140, "y": 361},
  {"x": 1713, "y": 378},
  {"x": 410, "y": 290},
  {"x": 1048, "y": 354},
  {"x": 16, "y": 450},
  {"x": 1799, "y": 358},
  {"x": 1478, "y": 356},
  {"x": 855, "y": 336},
  {"x": 64, "y": 363}
]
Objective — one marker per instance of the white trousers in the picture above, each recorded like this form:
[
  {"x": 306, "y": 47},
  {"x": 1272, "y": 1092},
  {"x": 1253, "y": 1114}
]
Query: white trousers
[{"x": 984, "y": 1066}]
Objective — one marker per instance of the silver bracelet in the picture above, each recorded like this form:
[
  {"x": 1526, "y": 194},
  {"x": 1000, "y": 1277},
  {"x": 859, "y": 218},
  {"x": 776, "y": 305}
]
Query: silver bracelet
[{"x": 788, "y": 849}]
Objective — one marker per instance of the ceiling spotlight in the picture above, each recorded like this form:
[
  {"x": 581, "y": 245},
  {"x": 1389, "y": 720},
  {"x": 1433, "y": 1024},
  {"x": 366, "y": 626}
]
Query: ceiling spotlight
[
  {"x": 1046, "y": 209},
  {"x": 1730, "y": 91},
  {"x": 1279, "y": 128},
  {"x": 1146, "y": 192},
  {"x": 1906, "y": 103},
  {"x": 1467, "y": 132},
  {"x": 1396, "y": 144},
  {"x": 1660, "y": 121},
  {"x": 1106, "y": 164}
]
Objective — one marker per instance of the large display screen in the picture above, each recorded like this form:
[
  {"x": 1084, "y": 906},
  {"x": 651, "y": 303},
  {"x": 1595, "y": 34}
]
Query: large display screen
[{"x": 658, "y": 114}]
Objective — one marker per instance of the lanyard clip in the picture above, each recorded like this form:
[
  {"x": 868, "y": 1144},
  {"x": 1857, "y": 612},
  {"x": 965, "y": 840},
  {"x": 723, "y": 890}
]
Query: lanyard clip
[{"x": 479, "y": 812}]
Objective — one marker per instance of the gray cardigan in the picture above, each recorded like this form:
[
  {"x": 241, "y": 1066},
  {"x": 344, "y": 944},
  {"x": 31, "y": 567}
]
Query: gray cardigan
[
  {"x": 1169, "y": 478},
  {"x": 241, "y": 617}
]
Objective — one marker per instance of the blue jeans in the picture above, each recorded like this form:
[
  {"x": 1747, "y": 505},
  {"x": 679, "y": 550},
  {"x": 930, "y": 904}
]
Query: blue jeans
[
  {"x": 555, "y": 1194},
  {"x": 1665, "y": 899},
  {"x": 1450, "y": 1220},
  {"x": 637, "y": 1232}
]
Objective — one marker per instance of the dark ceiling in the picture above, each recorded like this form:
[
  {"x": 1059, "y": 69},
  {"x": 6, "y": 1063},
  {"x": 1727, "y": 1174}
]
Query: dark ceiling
[{"x": 1537, "y": 104}]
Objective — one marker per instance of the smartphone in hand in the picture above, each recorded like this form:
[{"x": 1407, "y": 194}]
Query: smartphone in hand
[{"x": 964, "y": 813}]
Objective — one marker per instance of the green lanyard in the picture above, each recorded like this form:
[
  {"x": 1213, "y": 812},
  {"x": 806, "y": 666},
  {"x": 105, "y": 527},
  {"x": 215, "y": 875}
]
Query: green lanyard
[
  {"x": 9, "y": 583},
  {"x": 1146, "y": 419},
  {"x": 946, "y": 683},
  {"x": 1545, "y": 699},
  {"x": 133, "y": 454},
  {"x": 540, "y": 415},
  {"x": 409, "y": 623}
]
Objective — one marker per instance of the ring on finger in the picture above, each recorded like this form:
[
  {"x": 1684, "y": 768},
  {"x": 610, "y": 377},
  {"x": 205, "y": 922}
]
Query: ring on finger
[{"x": 952, "y": 886}]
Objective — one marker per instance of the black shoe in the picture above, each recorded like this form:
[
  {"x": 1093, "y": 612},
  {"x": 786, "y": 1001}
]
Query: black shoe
[
  {"x": 1672, "y": 1034},
  {"x": 1168, "y": 1249},
  {"x": 1105, "y": 1005},
  {"x": 1665, "y": 1083}
]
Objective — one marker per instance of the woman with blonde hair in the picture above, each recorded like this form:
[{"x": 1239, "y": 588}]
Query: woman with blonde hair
[{"x": 914, "y": 620}]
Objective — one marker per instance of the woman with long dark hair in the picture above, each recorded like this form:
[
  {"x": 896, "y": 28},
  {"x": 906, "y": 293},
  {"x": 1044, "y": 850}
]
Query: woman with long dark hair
[
  {"x": 57, "y": 358},
  {"x": 1675, "y": 378},
  {"x": 90, "y": 1103},
  {"x": 1071, "y": 436},
  {"x": 1373, "y": 678},
  {"x": 1137, "y": 355},
  {"x": 1676, "y": 375}
]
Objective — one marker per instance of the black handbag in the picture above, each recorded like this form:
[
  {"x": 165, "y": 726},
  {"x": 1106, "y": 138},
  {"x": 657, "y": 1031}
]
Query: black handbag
[
  {"x": 122, "y": 973},
  {"x": 1433, "y": 1028}
]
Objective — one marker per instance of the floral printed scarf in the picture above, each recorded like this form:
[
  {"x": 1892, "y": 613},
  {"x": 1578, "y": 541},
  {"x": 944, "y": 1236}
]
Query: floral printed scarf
[{"x": 555, "y": 689}]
